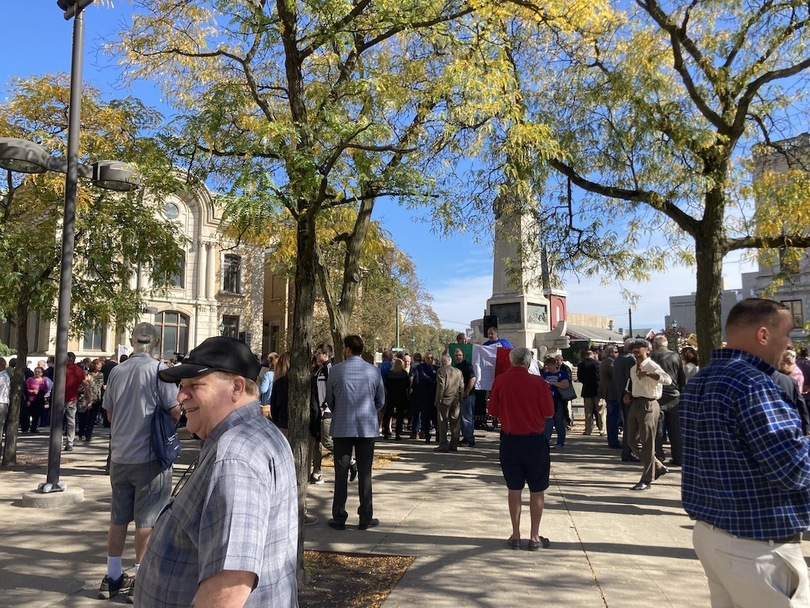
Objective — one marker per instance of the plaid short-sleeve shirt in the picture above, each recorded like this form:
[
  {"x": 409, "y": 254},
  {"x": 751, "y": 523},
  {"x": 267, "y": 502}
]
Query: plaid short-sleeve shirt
[{"x": 238, "y": 511}]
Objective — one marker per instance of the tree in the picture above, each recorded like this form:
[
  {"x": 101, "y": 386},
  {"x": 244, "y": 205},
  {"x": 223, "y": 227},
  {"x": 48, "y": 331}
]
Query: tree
[
  {"x": 652, "y": 111},
  {"x": 308, "y": 106},
  {"x": 115, "y": 233}
]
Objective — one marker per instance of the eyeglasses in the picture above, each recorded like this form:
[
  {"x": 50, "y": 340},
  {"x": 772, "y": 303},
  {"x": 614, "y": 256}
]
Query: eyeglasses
[{"x": 184, "y": 479}]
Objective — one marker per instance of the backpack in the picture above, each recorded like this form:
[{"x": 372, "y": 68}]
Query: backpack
[{"x": 164, "y": 441}]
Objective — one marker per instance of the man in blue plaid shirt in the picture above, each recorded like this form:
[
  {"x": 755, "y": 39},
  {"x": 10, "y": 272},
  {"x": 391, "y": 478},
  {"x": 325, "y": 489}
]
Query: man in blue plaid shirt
[{"x": 746, "y": 467}]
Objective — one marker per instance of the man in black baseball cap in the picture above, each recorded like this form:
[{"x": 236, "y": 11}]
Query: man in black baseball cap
[
  {"x": 220, "y": 353},
  {"x": 243, "y": 492}
]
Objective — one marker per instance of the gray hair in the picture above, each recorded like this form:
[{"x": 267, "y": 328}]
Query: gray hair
[
  {"x": 446, "y": 360},
  {"x": 640, "y": 342},
  {"x": 520, "y": 356},
  {"x": 660, "y": 341}
]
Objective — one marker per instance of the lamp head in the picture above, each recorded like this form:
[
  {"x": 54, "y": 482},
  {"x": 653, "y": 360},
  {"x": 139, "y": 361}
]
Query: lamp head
[
  {"x": 114, "y": 175},
  {"x": 22, "y": 156}
]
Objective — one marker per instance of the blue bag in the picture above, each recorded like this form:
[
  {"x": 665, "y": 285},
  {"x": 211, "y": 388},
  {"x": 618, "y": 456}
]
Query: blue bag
[{"x": 165, "y": 443}]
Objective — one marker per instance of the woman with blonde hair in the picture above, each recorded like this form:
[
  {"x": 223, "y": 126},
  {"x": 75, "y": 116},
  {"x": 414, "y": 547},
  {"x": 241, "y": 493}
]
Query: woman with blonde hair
[
  {"x": 787, "y": 365},
  {"x": 266, "y": 377}
]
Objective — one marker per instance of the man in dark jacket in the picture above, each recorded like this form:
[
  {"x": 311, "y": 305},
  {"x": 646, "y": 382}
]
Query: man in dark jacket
[
  {"x": 671, "y": 362},
  {"x": 621, "y": 378},
  {"x": 588, "y": 375}
]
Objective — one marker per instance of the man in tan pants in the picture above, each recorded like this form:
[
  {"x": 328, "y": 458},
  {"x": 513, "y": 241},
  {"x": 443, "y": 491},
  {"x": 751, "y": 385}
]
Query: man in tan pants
[{"x": 647, "y": 379}]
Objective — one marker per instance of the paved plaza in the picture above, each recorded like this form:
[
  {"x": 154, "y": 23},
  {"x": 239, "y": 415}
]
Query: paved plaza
[{"x": 610, "y": 546}]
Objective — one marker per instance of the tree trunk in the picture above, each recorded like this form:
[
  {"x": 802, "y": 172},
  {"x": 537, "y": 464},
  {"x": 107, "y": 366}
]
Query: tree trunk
[
  {"x": 301, "y": 353},
  {"x": 17, "y": 384},
  {"x": 710, "y": 249}
]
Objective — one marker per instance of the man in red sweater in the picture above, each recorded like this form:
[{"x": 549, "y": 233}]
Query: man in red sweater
[
  {"x": 74, "y": 376},
  {"x": 522, "y": 402}
]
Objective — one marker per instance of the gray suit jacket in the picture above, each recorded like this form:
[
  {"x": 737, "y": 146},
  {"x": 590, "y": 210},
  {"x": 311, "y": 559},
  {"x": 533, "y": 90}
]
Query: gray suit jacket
[{"x": 355, "y": 393}]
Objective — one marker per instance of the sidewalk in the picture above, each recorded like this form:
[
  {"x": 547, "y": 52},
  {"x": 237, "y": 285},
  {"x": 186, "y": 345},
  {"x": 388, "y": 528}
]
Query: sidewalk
[{"x": 610, "y": 546}]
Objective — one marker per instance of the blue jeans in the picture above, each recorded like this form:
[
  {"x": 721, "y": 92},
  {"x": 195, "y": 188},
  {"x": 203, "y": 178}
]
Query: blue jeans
[
  {"x": 467, "y": 418},
  {"x": 558, "y": 422},
  {"x": 429, "y": 418},
  {"x": 614, "y": 416}
]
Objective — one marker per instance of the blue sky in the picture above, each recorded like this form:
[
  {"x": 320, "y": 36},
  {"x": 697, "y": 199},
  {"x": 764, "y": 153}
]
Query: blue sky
[{"x": 457, "y": 272}]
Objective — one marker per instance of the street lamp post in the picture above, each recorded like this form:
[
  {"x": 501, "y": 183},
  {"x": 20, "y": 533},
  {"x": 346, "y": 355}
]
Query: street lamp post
[
  {"x": 28, "y": 157},
  {"x": 52, "y": 483}
]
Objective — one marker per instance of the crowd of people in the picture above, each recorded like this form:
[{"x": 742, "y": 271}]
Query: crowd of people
[
  {"x": 84, "y": 387},
  {"x": 227, "y": 534}
]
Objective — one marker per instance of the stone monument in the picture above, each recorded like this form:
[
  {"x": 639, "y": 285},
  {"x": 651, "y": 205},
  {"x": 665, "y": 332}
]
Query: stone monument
[{"x": 527, "y": 314}]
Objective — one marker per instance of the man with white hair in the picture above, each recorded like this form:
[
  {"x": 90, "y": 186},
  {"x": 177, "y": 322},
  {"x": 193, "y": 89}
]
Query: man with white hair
[
  {"x": 230, "y": 536},
  {"x": 140, "y": 490},
  {"x": 449, "y": 393},
  {"x": 671, "y": 363},
  {"x": 522, "y": 402}
]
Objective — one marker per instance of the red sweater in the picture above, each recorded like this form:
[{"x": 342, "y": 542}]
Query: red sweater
[
  {"x": 521, "y": 401},
  {"x": 74, "y": 376}
]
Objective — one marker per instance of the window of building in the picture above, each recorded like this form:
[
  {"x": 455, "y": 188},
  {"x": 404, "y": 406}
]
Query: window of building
[
  {"x": 94, "y": 338},
  {"x": 178, "y": 279},
  {"x": 230, "y": 326},
  {"x": 231, "y": 273},
  {"x": 173, "y": 327},
  {"x": 795, "y": 307}
]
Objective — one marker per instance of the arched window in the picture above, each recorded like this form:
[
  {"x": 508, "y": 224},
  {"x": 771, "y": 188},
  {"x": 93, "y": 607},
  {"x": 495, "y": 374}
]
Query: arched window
[{"x": 173, "y": 327}]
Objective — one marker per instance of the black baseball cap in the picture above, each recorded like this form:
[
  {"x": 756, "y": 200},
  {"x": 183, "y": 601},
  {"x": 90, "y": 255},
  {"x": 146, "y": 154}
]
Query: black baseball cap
[{"x": 220, "y": 353}]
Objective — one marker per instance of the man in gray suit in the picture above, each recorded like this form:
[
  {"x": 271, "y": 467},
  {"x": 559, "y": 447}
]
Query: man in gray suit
[
  {"x": 449, "y": 393},
  {"x": 355, "y": 394}
]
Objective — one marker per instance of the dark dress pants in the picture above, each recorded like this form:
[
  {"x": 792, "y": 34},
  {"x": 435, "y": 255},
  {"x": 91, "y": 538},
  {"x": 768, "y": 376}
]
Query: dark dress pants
[
  {"x": 364, "y": 454},
  {"x": 670, "y": 421},
  {"x": 614, "y": 417}
]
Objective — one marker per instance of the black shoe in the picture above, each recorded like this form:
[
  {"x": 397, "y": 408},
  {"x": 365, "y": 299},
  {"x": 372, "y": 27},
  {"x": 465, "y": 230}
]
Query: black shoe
[
  {"x": 110, "y": 588},
  {"x": 69, "y": 447},
  {"x": 661, "y": 472},
  {"x": 352, "y": 471},
  {"x": 630, "y": 459},
  {"x": 337, "y": 525},
  {"x": 371, "y": 523},
  {"x": 534, "y": 545},
  {"x": 641, "y": 486}
]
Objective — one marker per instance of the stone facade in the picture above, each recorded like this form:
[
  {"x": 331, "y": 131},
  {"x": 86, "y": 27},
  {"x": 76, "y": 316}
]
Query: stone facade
[{"x": 220, "y": 290}]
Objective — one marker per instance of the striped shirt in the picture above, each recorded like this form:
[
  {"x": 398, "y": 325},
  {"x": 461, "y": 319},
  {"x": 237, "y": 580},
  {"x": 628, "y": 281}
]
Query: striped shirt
[{"x": 746, "y": 464}]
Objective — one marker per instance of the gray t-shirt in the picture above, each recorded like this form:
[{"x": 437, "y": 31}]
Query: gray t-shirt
[{"x": 131, "y": 397}]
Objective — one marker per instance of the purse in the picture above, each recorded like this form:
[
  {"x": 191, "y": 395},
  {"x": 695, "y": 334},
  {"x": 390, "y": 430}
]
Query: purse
[{"x": 567, "y": 394}]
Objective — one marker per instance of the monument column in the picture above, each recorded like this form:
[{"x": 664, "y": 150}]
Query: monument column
[{"x": 518, "y": 302}]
